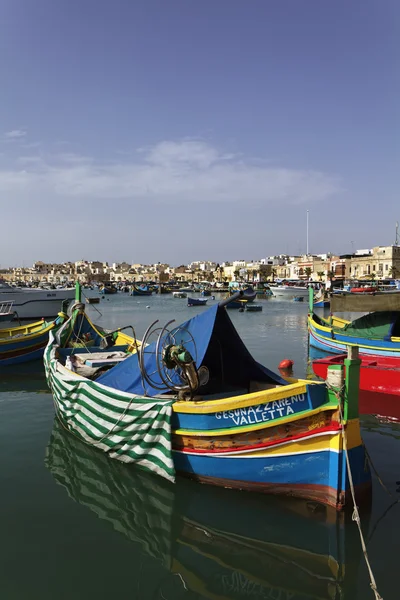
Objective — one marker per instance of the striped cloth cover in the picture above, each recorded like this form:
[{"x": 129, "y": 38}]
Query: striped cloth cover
[{"x": 127, "y": 427}]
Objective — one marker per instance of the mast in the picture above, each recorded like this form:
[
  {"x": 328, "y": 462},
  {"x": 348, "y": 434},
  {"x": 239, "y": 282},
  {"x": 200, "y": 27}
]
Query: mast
[{"x": 307, "y": 231}]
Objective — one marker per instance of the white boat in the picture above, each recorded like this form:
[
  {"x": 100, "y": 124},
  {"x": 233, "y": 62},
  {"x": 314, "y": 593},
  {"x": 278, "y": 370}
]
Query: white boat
[
  {"x": 290, "y": 291},
  {"x": 6, "y": 314},
  {"x": 33, "y": 303},
  {"x": 179, "y": 294}
]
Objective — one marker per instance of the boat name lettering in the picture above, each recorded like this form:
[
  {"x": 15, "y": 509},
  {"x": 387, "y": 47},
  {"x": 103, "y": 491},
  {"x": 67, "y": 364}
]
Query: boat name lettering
[
  {"x": 262, "y": 412},
  {"x": 52, "y": 295}
]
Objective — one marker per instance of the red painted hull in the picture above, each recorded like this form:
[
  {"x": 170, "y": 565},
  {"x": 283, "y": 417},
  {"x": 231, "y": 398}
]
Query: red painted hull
[{"x": 379, "y": 383}]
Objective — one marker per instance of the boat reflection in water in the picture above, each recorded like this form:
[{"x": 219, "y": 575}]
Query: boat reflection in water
[{"x": 221, "y": 543}]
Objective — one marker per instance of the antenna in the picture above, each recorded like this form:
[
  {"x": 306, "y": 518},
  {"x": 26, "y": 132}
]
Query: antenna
[
  {"x": 307, "y": 231},
  {"x": 352, "y": 246}
]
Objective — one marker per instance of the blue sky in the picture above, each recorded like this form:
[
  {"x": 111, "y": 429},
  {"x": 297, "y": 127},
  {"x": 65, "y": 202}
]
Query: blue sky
[{"x": 154, "y": 130}]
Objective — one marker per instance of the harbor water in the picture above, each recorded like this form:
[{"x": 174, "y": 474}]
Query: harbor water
[{"x": 76, "y": 525}]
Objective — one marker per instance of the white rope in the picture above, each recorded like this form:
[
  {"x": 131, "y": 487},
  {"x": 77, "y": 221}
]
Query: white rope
[{"x": 356, "y": 514}]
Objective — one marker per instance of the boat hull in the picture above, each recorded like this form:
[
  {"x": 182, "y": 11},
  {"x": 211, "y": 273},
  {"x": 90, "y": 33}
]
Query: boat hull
[
  {"x": 377, "y": 374},
  {"x": 37, "y": 304},
  {"x": 290, "y": 291},
  {"x": 25, "y": 348},
  {"x": 325, "y": 339},
  {"x": 309, "y": 474}
]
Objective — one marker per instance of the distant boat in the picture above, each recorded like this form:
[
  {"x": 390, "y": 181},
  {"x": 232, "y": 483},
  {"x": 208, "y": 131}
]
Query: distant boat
[
  {"x": 179, "y": 294},
  {"x": 253, "y": 307},
  {"x": 142, "y": 290},
  {"x": 197, "y": 301},
  {"x": 247, "y": 295},
  {"x": 108, "y": 289},
  {"x": 290, "y": 291}
]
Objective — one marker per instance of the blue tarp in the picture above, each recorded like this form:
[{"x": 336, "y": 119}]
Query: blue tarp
[{"x": 219, "y": 348}]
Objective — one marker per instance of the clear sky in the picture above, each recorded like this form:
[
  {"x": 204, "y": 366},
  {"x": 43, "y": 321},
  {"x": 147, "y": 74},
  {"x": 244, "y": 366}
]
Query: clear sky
[{"x": 176, "y": 130}]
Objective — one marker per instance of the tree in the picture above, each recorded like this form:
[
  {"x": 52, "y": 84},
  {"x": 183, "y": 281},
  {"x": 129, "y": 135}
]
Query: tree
[
  {"x": 393, "y": 271},
  {"x": 372, "y": 276},
  {"x": 236, "y": 274},
  {"x": 308, "y": 271},
  {"x": 321, "y": 274},
  {"x": 331, "y": 275}
]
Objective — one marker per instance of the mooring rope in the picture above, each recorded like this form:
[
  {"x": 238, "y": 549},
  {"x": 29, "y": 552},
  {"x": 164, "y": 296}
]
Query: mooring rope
[{"x": 356, "y": 514}]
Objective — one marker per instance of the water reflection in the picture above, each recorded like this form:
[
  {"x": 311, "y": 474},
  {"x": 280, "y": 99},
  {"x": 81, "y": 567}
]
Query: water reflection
[{"x": 213, "y": 543}]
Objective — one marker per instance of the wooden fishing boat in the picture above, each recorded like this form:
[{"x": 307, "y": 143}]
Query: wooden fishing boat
[
  {"x": 205, "y": 292},
  {"x": 27, "y": 342},
  {"x": 221, "y": 543},
  {"x": 179, "y": 294},
  {"x": 197, "y": 301},
  {"x": 376, "y": 333},
  {"x": 194, "y": 401},
  {"x": 93, "y": 300},
  {"x": 108, "y": 289},
  {"x": 142, "y": 290}
]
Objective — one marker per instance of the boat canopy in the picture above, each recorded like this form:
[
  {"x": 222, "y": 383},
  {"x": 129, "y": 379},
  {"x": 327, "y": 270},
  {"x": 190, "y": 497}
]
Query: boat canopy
[
  {"x": 218, "y": 347},
  {"x": 378, "y": 325}
]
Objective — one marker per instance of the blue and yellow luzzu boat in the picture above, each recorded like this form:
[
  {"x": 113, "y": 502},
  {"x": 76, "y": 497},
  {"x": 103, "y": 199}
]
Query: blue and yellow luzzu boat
[
  {"x": 376, "y": 333},
  {"x": 27, "y": 342},
  {"x": 194, "y": 401}
]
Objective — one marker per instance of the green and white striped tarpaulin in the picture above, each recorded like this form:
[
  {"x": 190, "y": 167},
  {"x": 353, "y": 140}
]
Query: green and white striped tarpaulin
[{"x": 127, "y": 427}]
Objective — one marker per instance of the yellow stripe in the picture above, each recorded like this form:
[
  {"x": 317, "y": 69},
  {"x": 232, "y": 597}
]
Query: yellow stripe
[
  {"x": 359, "y": 344},
  {"x": 261, "y": 397},
  {"x": 28, "y": 334},
  {"x": 248, "y": 428}
]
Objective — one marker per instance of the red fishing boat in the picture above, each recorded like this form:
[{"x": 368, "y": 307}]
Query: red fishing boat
[{"x": 379, "y": 382}]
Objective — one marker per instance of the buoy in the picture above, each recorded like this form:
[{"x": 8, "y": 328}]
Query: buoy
[
  {"x": 147, "y": 306},
  {"x": 286, "y": 363}
]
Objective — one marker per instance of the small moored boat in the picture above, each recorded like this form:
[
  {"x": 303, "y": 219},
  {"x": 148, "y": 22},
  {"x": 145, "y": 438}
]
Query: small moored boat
[
  {"x": 197, "y": 301},
  {"x": 141, "y": 290},
  {"x": 179, "y": 294}
]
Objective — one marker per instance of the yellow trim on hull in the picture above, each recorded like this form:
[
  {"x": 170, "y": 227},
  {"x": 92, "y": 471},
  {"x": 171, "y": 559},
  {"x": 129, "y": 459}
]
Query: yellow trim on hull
[
  {"x": 261, "y": 397},
  {"x": 16, "y": 334}
]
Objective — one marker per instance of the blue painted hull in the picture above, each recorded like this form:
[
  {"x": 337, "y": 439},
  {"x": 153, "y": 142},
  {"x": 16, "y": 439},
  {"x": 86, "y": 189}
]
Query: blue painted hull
[
  {"x": 322, "y": 471},
  {"x": 338, "y": 345},
  {"x": 23, "y": 350}
]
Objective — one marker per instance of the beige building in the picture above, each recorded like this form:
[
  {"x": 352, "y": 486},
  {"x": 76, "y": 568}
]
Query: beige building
[{"x": 382, "y": 262}]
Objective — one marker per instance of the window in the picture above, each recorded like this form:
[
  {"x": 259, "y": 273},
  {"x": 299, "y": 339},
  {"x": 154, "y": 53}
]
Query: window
[
  {"x": 380, "y": 267},
  {"x": 368, "y": 269},
  {"x": 386, "y": 267}
]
